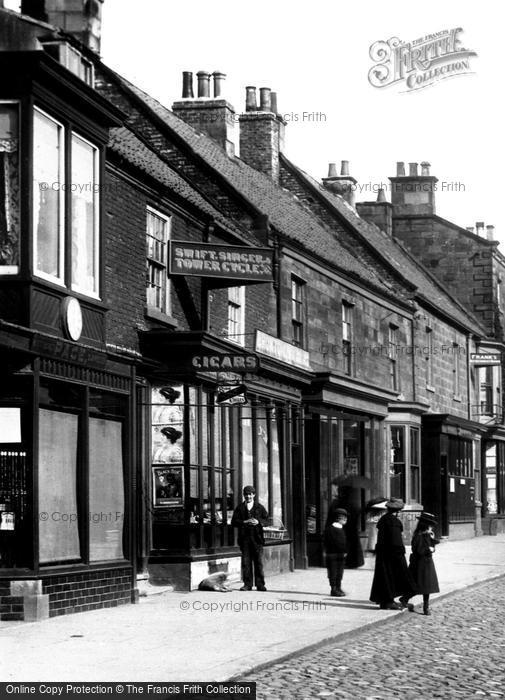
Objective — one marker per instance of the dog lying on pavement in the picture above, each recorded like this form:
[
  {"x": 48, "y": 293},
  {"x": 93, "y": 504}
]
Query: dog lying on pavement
[{"x": 220, "y": 581}]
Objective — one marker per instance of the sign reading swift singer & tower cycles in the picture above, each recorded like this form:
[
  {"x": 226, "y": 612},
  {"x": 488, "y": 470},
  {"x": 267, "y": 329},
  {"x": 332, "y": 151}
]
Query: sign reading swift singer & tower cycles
[
  {"x": 419, "y": 63},
  {"x": 223, "y": 261}
]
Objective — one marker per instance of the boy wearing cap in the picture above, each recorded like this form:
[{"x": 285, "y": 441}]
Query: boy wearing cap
[
  {"x": 335, "y": 543},
  {"x": 250, "y": 517}
]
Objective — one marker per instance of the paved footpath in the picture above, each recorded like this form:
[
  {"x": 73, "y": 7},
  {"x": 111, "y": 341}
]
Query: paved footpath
[
  {"x": 206, "y": 636},
  {"x": 457, "y": 652}
]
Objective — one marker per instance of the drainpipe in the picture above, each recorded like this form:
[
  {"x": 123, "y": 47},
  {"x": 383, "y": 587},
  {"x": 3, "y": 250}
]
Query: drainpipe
[{"x": 468, "y": 378}]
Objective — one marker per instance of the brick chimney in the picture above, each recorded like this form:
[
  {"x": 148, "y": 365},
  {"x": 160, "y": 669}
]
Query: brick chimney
[
  {"x": 413, "y": 193},
  {"x": 379, "y": 213},
  {"x": 213, "y": 116},
  {"x": 82, "y": 18},
  {"x": 262, "y": 132},
  {"x": 343, "y": 184}
]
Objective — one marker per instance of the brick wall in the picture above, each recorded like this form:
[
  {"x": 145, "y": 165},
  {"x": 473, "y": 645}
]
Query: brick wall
[{"x": 88, "y": 591}]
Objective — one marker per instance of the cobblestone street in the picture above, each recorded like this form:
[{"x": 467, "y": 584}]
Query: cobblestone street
[{"x": 457, "y": 652}]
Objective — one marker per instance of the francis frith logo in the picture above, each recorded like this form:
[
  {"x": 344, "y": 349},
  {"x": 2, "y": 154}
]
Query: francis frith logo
[{"x": 420, "y": 63}]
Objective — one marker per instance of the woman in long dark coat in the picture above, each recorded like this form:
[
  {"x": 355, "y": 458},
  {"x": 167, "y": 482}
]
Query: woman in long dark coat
[
  {"x": 391, "y": 575},
  {"x": 348, "y": 500},
  {"x": 421, "y": 567}
]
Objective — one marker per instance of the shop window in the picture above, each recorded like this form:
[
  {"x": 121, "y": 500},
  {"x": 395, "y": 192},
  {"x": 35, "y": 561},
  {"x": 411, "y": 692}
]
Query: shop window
[
  {"x": 397, "y": 461},
  {"x": 57, "y": 509},
  {"x": 247, "y": 447},
  {"x": 393, "y": 357},
  {"x": 167, "y": 445},
  {"x": 236, "y": 314},
  {"x": 347, "y": 313},
  {"x": 52, "y": 194},
  {"x": 415, "y": 461},
  {"x": 9, "y": 188},
  {"x": 461, "y": 496},
  {"x": 352, "y": 437},
  {"x": 157, "y": 237},
  {"x": 297, "y": 312},
  {"x": 262, "y": 486}
]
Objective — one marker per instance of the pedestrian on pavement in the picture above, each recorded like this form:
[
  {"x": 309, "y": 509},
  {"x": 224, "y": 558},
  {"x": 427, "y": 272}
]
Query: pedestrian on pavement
[
  {"x": 335, "y": 542},
  {"x": 391, "y": 575},
  {"x": 349, "y": 499},
  {"x": 250, "y": 518},
  {"x": 422, "y": 567}
]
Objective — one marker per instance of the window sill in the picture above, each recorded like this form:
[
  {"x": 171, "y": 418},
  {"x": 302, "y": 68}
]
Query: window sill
[
  {"x": 430, "y": 388},
  {"x": 457, "y": 398},
  {"x": 156, "y": 315}
]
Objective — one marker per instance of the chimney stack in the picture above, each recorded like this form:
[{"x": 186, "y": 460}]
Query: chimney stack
[
  {"x": 82, "y": 19},
  {"x": 413, "y": 194},
  {"x": 343, "y": 184},
  {"x": 490, "y": 232},
  {"x": 379, "y": 213},
  {"x": 479, "y": 228},
  {"x": 212, "y": 116},
  {"x": 471, "y": 229},
  {"x": 262, "y": 132}
]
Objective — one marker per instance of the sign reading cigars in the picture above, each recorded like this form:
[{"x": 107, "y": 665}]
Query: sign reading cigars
[{"x": 223, "y": 261}]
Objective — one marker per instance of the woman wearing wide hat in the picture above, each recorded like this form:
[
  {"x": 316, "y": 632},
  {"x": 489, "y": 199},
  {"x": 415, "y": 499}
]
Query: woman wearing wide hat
[
  {"x": 391, "y": 575},
  {"x": 421, "y": 567}
]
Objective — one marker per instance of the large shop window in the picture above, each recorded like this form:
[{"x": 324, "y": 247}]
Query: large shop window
[
  {"x": 203, "y": 454},
  {"x": 405, "y": 463},
  {"x": 461, "y": 486},
  {"x": 9, "y": 188},
  {"x": 81, "y": 474},
  {"x": 53, "y": 196}
]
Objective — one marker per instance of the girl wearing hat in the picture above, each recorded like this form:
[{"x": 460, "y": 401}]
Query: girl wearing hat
[{"x": 421, "y": 567}]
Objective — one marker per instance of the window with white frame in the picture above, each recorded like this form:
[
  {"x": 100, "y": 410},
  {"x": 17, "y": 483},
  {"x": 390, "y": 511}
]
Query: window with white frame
[
  {"x": 236, "y": 314},
  {"x": 393, "y": 356},
  {"x": 56, "y": 238},
  {"x": 456, "y": 369},
  {"x": 157, "y": 237},
  {"x": 297, "y": 311},
  {"x": 429, "y": 357}
]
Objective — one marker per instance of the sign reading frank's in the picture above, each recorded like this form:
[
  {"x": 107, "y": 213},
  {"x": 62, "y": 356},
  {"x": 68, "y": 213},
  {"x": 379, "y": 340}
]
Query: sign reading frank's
[
  {"x": 419, "y": 63},
  {"x": 223, "y": 261}
]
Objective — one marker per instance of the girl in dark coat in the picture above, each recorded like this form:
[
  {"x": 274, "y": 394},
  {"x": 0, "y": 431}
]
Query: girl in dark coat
[
  {"x": 391, "y": 575},
  {"x": 421, "y": 567}
]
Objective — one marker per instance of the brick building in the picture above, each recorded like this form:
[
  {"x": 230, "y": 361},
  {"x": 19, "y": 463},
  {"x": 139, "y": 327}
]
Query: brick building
[{"x": 353, "y": 354}]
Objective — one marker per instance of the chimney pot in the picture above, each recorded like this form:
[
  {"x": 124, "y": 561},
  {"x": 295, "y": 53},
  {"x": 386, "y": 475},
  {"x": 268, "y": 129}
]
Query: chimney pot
[
  {"x": 273, "y": 102},
  {"x": 203, "y": 83},
  {"x": 265, "y": 100},
  {"x": 250, "y": 99},
  {"x": 344, "y": 168},
  {"x": 490, "y": 232},
  {"x": 425, "y": 168},
  {"x": 400, "y": 169},
  {"x": 479, "y": 228},
  {"x": 332, "y": 170},
  {"x": 412, "y": 169},
  {"x": 471, "y": 229},
  {"x": 381, "y": 195},
  {"x": 187, "y": 84},
  {"x": 219, "y": 79}
]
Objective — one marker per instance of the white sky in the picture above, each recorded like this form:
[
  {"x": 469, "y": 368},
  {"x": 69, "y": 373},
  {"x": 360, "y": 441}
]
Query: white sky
[{"x": 315, "y": 55}]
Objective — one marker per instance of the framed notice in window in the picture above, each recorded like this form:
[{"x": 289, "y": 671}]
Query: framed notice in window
[{"x": 168, "y": 486}]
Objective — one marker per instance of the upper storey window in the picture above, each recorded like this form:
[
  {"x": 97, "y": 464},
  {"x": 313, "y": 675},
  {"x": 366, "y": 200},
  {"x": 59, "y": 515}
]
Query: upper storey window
[
  {"x": 65, "y": 206},
  {"x": 9, "y": 188},
  {"x": 72, "y": 59}
]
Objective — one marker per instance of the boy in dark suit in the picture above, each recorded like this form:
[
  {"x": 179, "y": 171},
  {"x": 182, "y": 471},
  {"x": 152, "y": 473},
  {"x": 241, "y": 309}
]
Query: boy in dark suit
[
  {"x": 250, "y": 517},
  {"x": 335, "y": 543}
]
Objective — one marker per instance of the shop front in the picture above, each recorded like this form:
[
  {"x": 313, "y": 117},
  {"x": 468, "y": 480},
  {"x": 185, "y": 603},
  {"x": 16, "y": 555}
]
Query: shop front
[
  {"x": 493, "y": 481},
  {"x": 65, "y": 477},
  {"x": 216, "y": 420},
  {"x": 344, "y": 441}
]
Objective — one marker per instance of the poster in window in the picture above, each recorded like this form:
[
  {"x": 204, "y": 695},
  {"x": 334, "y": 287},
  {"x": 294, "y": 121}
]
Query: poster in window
[
  {"x": 168, "y": 486},
  {"x": 167, "y": 425}
]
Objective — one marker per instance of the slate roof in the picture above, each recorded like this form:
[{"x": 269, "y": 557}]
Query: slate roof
[
  {"x": 394, "y": 254},
  {"x": 127, "y": 145},
  {"x": 286, "y": 214},
  {"x": 298, "y": 223}
]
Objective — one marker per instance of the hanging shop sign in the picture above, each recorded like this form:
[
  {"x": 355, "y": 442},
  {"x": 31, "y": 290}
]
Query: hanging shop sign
[
  {"x": 484, "y": 359},
  {"x": 231, "y": 395},
  {"x": 226, "y": 363},
  {"x": 222, "y": 261}
]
